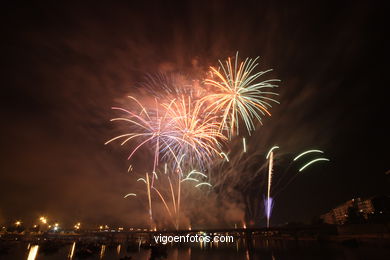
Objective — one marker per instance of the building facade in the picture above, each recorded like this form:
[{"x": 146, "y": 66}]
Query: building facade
[{"x": 339, "y": 215}]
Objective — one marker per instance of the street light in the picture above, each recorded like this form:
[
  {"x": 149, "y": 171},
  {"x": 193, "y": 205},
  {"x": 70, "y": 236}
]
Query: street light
[
  {"x": 56, "y": 226},
  {"x": 77, "y": 226}
]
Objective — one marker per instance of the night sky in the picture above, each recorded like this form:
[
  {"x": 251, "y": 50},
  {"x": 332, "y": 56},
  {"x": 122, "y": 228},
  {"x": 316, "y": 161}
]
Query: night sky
[{"x": 65, "y": 65}]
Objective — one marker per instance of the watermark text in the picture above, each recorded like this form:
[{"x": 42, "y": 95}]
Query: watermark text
[{"x": 163, "y": 239}]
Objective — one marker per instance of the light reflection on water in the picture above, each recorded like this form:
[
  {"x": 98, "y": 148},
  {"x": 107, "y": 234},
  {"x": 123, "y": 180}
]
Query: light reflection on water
[
  {"x": 32, "y": 254},
  {"x": 102, "y": 251},
  {"x": 71, "y": 251},
  {"x": 243, "y": 250}
]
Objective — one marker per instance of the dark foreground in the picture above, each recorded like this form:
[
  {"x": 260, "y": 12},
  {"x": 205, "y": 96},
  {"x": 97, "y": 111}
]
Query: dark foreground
[
  {"x": 240, "y": 249},
  {"x": 329, "y": 242}
]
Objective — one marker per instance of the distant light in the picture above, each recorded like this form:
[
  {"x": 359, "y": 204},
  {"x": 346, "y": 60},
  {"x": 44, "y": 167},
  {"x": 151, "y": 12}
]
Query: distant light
[{"x": 43, "y": 220}]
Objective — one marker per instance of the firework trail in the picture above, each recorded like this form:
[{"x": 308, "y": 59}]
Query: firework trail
[
  {"x": 313, "y": 161},
  {"x": 169, "y": 187},
  {"x": 238, "y": 95},
  {"x": 147, "y": 127},
  {"x": 129, "y": 194},
  {"x": 181, "y": 128},
  {"x": 268, "y": 205},
  {"x": 146, "y": 180},
  {"x": 160, "y": 195},
  {"x": 237, "y": 169},
  {"x": 241, "y": 170},
  {"x": 295, "y": 160},
  {"x": 307, "y": 152},
  {"x": 196, "y": 134}
]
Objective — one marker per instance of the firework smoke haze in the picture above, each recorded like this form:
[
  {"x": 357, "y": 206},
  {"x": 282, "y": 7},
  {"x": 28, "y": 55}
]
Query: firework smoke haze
[{"x": 66, "y": 64}]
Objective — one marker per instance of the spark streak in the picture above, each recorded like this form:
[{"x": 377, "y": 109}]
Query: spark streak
[
  {"x": 190, "y": 179},
  {"x": 271, "y": 150},
  {"x": 313, "y": 161},
  {"x": 306, "y": 152},
  {"x": 149, "y": 199},
  {"x": 130, "y": 194},
  {"x": 270, "y": 168},
  {"x": 225, "y": 155},
  {"x": 203, "y": 183}
]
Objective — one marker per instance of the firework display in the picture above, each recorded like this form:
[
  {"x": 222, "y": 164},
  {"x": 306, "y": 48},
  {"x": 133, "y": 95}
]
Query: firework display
[
  {"x": 188, "y": 129},
  {"x": 239, "y": 96}
]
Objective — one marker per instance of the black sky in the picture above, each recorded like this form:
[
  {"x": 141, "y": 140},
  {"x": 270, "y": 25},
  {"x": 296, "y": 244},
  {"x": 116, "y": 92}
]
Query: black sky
[{"x": 65, "y": 64}]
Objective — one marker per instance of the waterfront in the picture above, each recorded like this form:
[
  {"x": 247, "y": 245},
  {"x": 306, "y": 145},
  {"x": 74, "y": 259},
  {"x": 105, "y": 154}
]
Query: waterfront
[{"x": 261, "y": 249}]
